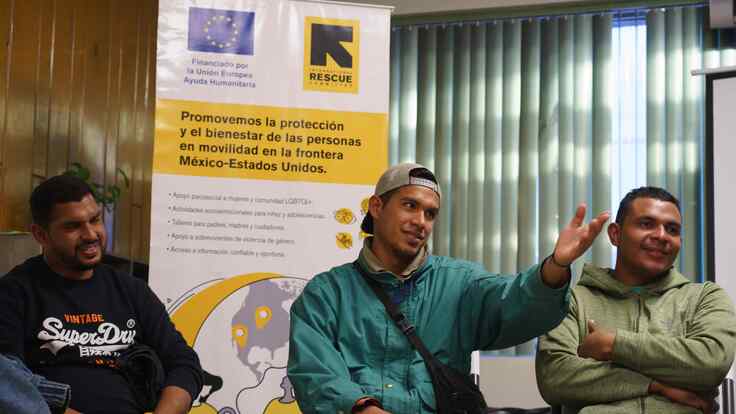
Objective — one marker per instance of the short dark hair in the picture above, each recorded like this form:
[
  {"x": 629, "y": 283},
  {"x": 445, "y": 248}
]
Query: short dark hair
[
  {"x": 656, "y": 193},
  {"x": 64, "y": 188}
]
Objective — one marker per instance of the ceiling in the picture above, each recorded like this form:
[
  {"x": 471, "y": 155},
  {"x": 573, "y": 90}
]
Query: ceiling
[{"x": 407, "y": 7}]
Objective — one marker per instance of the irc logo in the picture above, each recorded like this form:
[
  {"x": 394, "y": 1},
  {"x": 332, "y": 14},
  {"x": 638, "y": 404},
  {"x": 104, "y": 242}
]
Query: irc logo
[{"x": 331, "y": 50}]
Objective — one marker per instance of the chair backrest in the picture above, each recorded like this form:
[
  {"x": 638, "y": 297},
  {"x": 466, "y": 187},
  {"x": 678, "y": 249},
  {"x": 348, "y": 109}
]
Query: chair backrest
[
  {"x": 726, "y": 397},
  {"x": 15, "y": 248}
]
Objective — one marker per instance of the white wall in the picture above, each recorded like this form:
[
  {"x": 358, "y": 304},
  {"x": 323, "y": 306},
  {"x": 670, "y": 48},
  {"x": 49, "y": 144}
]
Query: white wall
[
  {"x": 724, "y": 197},
  {"x": 436, "y": 6},
  {"x": 510, "y": 382}
]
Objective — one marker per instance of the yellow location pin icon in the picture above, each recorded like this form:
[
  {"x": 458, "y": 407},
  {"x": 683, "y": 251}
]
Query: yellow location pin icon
[
  {"x": 262, "y": 316},
  {"x": 240, "y": 335}
]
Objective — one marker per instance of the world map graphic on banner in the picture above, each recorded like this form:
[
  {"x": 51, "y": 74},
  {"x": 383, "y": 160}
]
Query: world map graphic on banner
[
  {"x": 253, "y": 351},
  {"x": 269, "y": 136}
]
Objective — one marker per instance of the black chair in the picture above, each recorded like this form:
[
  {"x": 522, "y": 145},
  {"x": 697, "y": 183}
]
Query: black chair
[
  {"x": 725, "y": 397},
  {"x": 131, "y": 267}
]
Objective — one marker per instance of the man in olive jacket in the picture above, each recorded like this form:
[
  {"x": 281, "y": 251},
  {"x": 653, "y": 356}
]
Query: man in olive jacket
[{"x": 641, "y": 337}]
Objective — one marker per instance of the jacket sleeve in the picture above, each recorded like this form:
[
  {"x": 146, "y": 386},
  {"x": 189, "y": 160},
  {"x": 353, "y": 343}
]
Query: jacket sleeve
[
  {"x": 697, "y": 361},
  {"x": 564, "y": 378},
  {"x": 12, "y": 316},
  {"x": 179, "y": 360},
  {"x": 509, "y": 310},
  {"x": 19, "y": 391},
  {"x": 321, "y": 379}
]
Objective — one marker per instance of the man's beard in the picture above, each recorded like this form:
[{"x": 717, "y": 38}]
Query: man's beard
[
  {"x": 82, "y": 266},
  {"x": 75, "y": 263},
  {"x": 649, "y": 275},
  {"x": 407, "y": 254}
]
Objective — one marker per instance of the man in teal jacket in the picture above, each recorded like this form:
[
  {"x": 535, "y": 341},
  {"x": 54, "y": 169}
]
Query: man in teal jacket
[
  {"x": 346, "y": 354},
  {"x": 640, "y": 338}
]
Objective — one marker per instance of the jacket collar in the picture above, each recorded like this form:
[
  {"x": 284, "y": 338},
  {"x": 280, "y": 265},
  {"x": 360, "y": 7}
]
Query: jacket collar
[
  {"x": 602, "y": 279},
  {"x": 374, "y": 268},
  {"x": 374, "y": 264}
]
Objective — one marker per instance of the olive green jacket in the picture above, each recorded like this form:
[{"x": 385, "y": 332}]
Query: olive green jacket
[{"x": 674, "y": 331}]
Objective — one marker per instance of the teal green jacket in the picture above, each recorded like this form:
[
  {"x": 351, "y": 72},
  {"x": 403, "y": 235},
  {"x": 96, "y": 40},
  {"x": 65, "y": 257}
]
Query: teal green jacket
[
  {"x": 674, "y": 331},
  {"x": 344, "y": 346}
]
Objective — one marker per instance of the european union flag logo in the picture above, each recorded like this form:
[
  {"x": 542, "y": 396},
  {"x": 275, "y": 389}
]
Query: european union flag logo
[{"x": 221, "y": 31}]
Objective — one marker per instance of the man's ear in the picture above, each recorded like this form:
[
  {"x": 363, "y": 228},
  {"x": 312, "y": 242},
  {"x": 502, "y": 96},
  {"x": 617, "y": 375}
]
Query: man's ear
[
  {"x": 614, "y": 234},
  {"x": 375, "y": 205},
  {"x": 40, "y": 234}
]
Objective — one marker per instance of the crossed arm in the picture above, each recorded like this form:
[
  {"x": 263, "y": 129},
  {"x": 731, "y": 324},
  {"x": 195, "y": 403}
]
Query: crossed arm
[
  {"x": 607, "y": 365},
  {"x": 564, "y": 378},
  {"x": 697, "y": 361}
]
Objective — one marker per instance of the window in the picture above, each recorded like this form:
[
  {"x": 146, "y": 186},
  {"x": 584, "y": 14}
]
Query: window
[{"x": 629, "y": 115}]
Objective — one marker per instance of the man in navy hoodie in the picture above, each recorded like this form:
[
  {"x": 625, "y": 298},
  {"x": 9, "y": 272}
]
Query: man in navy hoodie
[{"x": 69, "y": 317}]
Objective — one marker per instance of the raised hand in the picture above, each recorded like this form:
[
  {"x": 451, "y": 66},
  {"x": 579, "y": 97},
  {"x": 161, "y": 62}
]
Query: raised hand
[
  {"x": 572, "y": 242},
  {"x": 577, "y": 237}
]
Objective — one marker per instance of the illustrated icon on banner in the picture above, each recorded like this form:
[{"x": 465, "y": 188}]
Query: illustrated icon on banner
[
  {"x": 344, "y": 240},
  {"x": 345, "y": 216},
  {"x": 221, "y": 31}
]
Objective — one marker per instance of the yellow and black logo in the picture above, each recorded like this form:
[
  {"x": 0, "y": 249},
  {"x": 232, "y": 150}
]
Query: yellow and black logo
[{"x": 331, "y": 49}]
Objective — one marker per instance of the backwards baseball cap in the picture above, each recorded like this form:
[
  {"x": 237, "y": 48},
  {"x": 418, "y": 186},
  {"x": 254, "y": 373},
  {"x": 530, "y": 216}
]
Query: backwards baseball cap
[{"x": 399, "y": 176}]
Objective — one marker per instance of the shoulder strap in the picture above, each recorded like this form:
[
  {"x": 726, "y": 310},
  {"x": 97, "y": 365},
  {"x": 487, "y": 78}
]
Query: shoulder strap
[{"x": 399, "y": 318}]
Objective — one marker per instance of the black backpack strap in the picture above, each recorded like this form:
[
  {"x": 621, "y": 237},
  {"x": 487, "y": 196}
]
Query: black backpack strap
[
  {"x": 454, "y": 391},
  {"x": 399, "y": 318}
]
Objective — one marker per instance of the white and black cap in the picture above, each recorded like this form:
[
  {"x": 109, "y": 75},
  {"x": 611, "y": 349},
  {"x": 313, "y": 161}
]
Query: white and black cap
[{"x": 398, "y": 176}]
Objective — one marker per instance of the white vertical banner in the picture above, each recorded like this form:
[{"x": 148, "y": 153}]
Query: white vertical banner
[
  {"x": 720, "y": 198},
  {"x": 271, "y": 130}
]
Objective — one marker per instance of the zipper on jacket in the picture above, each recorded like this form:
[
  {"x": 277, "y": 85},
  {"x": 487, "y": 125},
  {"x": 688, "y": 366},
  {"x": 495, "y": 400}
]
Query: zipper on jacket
[
  {"x": 643, "y": 405},
  {"x": 640, "y": 311}
]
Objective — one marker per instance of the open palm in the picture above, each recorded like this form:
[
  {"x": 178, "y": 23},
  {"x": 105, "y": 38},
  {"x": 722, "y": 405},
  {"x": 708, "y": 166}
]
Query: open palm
[{"x": 577, "y": 236}]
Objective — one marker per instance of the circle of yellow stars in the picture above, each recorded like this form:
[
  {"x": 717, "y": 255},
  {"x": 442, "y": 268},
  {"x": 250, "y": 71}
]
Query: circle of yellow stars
[{"x": 219, "y": 20}]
